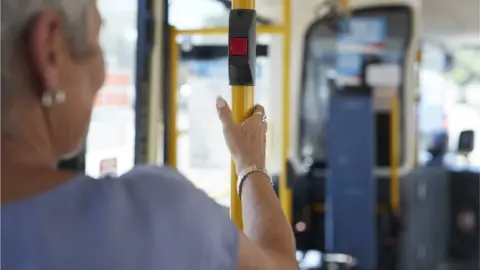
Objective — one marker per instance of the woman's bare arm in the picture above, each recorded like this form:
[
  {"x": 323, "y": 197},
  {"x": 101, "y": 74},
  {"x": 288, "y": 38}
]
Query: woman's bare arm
[{"x": 267, "y": 241}]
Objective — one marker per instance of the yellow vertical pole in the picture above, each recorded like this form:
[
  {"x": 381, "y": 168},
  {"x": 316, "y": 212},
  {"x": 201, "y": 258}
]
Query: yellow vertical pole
[
  {"x": 395, "y": 155},
  {"x": 417, "y": 101},
  {"x": 172, "y": 121},
  {"x": 285, "y": 193},
  {"x": 242, "y": 104},
  {"x": 343, "y": 4}
]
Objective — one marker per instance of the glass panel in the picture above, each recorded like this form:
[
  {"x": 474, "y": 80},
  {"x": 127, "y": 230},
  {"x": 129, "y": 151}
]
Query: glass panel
[
  {"x": 202, "y": 154},
  {"x": 197, "y": 14},
  {"x": 318, "y": 63},
  {"x": 111, "y": 138},
  {"x": 271, "y": 12},
  {"x": 464, "y": 110},
  {"x": 434, "y": 88},
  {"x": 449, "y": 101}
]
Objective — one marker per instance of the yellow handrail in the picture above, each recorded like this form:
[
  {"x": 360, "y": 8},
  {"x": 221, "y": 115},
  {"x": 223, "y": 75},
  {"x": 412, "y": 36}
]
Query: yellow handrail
[
  {"x": 419, "y": 57},
  {"x": 285, "y": 193},
  {"x": 242, "y": 100},
  {"x": 172, "y": 123},
  {"x": 242, "y": 105},
  {"x": 395, "y": 155},
  {"x": 344, "y": 4},
  {"x": 274, "y": 29}
]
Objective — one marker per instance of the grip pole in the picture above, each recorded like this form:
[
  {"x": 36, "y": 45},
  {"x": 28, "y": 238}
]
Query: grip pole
[
  {"x": 173, "y": 99},
  {"x": 344, "y": 5},
  {"x": 395, "y": 155},
  {"x": 242, "y": 103},
  {"x": 241, "y": 68},
  {"x": 285, "y": 192}
]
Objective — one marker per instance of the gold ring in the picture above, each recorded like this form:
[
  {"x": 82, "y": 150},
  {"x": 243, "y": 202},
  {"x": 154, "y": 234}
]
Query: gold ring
[{"x": 264, "y": 118}]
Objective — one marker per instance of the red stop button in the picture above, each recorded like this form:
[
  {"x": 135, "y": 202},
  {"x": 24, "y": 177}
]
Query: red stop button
[{"x": 238, "y": 47}]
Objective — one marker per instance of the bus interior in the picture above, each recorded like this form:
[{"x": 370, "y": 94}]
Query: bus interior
[{"x": 167, "y": 62}]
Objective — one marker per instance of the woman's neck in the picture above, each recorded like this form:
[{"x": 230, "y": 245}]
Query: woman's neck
[
  {"x": 28, "y": 168},
  {"x": 26, "y": 153}
]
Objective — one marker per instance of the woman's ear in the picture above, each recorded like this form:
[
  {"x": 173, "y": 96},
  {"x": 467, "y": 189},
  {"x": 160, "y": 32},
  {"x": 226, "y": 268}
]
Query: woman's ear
[{"x": 45, "y": 47}]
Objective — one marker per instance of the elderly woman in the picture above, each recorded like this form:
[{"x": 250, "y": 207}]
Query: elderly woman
[{"x": 151, "y": 218}]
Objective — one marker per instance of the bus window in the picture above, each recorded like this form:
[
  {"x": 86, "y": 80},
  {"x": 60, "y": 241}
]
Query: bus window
[
  {"x": 202, "y": 154},
  {"x": 112, "y": 127},
  {"x": 320, "y": 58},
  {"x": 319, "y": 61}
]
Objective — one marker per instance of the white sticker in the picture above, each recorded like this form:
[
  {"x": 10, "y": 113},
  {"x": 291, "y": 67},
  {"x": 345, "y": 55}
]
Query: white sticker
[
  {"x": 384, "y": 75},
  {"x": 108, "y": 167},
  {"x": 343, "y": 81}
]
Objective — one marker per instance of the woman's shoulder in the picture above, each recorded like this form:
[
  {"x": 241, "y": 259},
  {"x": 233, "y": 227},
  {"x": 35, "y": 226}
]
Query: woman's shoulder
[
  {"x": 150, "y": 209},
  {"x": 152, "y": 173},
  {"x": 145, "y": 182},
  {"x": 142, "y": 193},
  {"x": 155, "y": 183}
]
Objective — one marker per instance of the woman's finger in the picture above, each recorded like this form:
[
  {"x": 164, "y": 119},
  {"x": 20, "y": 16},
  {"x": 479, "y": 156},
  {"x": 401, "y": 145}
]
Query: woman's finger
[
  {"x": 224, "y": 112},
  {"x": 259, "y": 113},
  {"x": 259, "y": 110}
]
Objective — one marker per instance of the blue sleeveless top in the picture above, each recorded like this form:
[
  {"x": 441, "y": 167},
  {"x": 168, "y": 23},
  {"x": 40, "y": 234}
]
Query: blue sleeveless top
[{"x": 151, "y": 218}]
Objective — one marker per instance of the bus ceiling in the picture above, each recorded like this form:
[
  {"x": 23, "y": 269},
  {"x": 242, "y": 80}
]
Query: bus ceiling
[
  {"x": 451, "y": 23},
  {"x": 454, "y": 23}
]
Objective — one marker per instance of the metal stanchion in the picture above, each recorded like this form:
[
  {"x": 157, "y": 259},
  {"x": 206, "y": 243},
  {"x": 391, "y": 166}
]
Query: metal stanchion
[
  {"x": 242, "y": 32},
  {"x": 395, "y": 155},
  {"x": 285, "y": 193},
  {"x": 173, "y": 102},
  {"x": 241, "y": 67}
]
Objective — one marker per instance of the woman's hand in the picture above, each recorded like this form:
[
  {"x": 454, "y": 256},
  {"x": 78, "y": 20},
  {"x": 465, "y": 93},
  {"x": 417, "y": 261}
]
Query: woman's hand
[{"x": 247, "y": 141}]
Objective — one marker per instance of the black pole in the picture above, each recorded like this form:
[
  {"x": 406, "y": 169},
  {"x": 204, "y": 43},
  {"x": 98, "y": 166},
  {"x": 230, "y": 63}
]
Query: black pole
[
  {"x": 145, "y": 39},
  {"x": 166, "y": 80}
]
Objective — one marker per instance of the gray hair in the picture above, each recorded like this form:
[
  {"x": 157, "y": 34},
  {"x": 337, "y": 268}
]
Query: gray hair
[{"x": 17, "y": 16}]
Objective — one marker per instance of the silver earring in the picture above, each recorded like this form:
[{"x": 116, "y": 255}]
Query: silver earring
[{"x": 50, "y": 98}]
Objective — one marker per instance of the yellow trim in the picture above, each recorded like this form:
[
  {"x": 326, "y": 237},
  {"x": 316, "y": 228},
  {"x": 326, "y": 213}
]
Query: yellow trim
[
  {"x": 243, "y": 4},
  {"x": 285, "y": 193},
  {"x": 419, "y": 56},
  {"x": 344, "y": 4},
  {"x": 395, "y": 155},
  {"x": 172, "y": 123},
  {"x": 274, "y": 29},
  {"x": 242, "y": 105}
]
